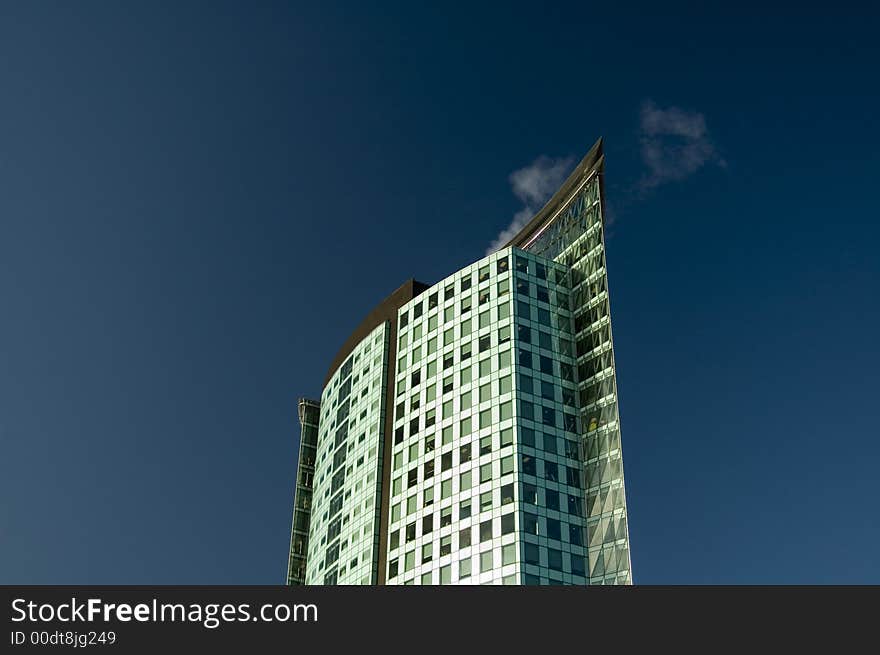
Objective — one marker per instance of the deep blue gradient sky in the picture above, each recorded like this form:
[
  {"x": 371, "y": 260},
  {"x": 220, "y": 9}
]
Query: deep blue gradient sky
[{"x": 198, "y": 203}]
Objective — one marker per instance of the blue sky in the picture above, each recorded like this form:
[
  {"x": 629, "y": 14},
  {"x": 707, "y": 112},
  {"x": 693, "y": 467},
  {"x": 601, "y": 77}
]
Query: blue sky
[{"x": 198, "y": 203}]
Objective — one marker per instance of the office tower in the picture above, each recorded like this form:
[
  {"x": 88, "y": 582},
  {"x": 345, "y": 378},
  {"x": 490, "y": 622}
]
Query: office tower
[{"x": 468, "y": 431}]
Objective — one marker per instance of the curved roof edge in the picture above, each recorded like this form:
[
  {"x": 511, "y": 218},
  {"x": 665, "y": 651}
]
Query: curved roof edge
[
  {"x": 593, "y": 162},
  {"x": 384, "y": 311}
]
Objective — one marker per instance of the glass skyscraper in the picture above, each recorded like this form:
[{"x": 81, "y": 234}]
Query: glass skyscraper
[{"x": 468, "y": 431}]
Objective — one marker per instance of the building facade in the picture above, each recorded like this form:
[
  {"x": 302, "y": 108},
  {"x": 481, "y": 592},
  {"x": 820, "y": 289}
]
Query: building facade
[{"x": 468, "y": 431}]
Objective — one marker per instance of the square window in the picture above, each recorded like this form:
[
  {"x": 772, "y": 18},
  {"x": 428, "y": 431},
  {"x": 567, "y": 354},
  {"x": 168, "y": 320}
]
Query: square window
[
  {"x": 486, "y": 530},
  {"x": 464, "y": 538},
  {"x": 464, "y": 481},
  {"x": 507, "y": 523},
  {"x": 445, "y": 517},
  {"x": 502, "y": 265},
  {"x": 483, "y": 274},
  {"x": 554, "y": 559},
  {"x": 485, "y": 343},
  {"x": 485, "y": 367},
  {"x": 486, "y": 561},
  {"x": 508, "y": 554},
  {"x": 486, "y": 445},
  {"x": 464, "y": 510},
  {"x": 485, "y": 473},
  {"x": 464, "y": 568},
  {"x": 507, "y": 494},
  {"x": 485, "y": 501}
]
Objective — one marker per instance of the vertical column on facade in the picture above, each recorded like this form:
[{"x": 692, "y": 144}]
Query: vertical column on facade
[
  {"x": 607, "y": 537},
  {"x": 309, "y": 411}
]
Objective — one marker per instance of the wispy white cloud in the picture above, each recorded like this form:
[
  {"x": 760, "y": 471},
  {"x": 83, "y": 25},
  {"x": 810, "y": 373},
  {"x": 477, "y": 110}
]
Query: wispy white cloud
[
  {"x": 532, "y": 185},
  {"x": 675, "y": 143}
]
